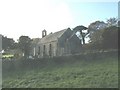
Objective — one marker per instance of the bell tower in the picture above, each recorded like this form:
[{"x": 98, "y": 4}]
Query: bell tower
[{"x": 44, "y": 33}]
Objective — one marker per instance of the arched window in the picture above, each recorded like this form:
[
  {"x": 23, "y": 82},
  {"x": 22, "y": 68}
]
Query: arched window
[
  {"x": 50, "y": 50},
  {"x": 43, "y": 49},
  {"x": 39, "y": 50}
]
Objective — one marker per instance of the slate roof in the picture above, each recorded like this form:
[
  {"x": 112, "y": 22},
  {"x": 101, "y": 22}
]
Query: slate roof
[{"x": 52, "y": 36}]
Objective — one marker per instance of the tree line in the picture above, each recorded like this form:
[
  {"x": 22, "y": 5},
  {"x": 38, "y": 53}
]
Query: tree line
[{"x": 101, "y": 35}]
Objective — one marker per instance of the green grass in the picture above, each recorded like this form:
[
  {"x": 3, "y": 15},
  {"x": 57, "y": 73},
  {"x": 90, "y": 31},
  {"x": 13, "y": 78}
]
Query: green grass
[{"x": 101, "y": 73}]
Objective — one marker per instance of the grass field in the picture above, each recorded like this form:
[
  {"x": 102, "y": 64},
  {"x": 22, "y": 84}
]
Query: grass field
[{"x": 100, "y": 73}]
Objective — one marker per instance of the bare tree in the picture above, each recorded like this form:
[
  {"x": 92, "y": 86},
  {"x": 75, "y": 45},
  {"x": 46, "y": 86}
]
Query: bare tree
[{"x": 112, "y": 22}]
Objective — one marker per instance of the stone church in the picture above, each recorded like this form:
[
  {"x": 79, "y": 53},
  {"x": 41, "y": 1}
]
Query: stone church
[{"x": 60, "y": 43}]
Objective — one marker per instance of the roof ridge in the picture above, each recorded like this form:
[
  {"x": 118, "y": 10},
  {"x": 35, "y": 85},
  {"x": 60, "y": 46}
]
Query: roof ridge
[{"x": 53, "y": 37}]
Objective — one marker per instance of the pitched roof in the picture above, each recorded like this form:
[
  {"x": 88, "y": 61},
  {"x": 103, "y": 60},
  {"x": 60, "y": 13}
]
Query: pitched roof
[{"x": 52, "y": 36}]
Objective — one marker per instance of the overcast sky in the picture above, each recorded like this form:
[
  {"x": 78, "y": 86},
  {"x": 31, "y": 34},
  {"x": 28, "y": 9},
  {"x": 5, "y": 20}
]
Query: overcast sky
[{"x": 30, "y": 17}]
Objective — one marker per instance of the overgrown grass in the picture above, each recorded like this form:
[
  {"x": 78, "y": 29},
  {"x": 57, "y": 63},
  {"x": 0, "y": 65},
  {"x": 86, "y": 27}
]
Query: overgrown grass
[{"x": 99, "y": 73}]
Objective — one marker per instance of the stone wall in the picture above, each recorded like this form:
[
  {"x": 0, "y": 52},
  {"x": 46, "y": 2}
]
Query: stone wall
[{"x": 46, "y": 49}]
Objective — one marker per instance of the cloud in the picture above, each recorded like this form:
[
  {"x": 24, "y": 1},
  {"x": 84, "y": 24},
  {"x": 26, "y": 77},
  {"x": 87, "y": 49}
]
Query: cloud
[
  {"x": 59, "y": 17},
  {"x": 29, "y": 17}
]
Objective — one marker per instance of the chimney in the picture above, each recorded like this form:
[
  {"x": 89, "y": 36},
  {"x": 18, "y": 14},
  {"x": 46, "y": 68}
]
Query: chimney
[{"x": 44, "y": 33}]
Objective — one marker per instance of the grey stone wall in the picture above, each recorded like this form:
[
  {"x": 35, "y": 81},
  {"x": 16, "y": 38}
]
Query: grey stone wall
[
  {"x": 64, "y": 45},
  {"x": 46, "y": 49}
]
